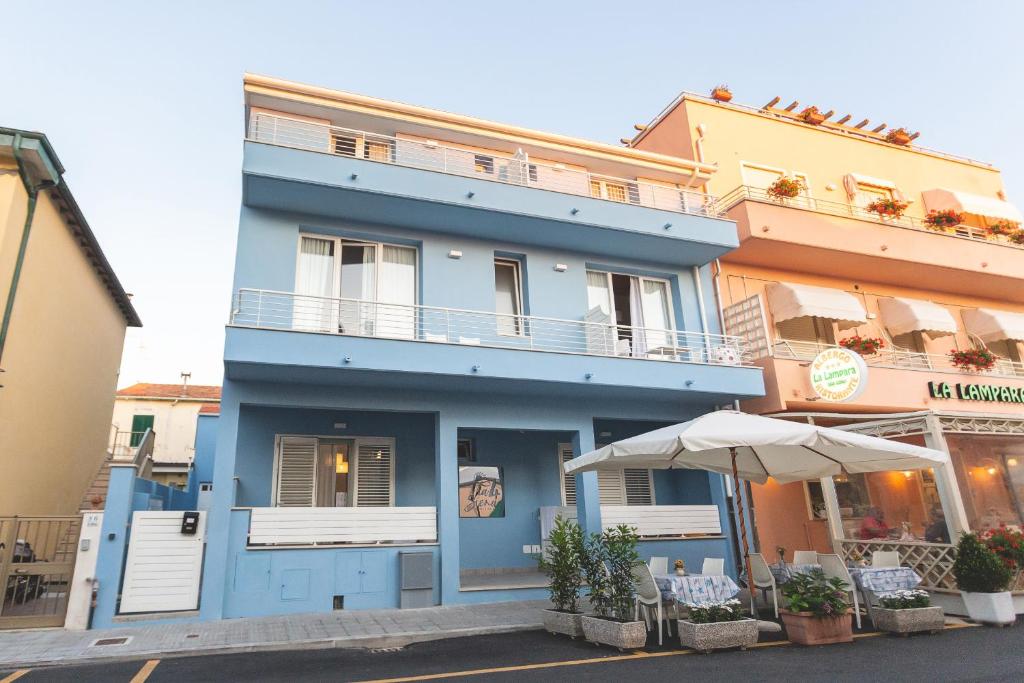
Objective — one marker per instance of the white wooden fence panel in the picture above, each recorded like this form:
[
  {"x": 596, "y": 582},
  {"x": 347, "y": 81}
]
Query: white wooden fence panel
[
  {"x": 653, "y": 520},
  {"x": 308, "y": 526},
  {"x": 164, "y": 567}
]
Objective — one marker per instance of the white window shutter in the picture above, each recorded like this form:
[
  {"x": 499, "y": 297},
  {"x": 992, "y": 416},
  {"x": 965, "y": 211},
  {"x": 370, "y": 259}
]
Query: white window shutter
[
  {"x": 609, "y": 487},
  {"x": 296, "y": 472},
  {"x": 565, "y": 454},
  {"x": 638, "y": 487},
  {"x": 375, "y": 474}
]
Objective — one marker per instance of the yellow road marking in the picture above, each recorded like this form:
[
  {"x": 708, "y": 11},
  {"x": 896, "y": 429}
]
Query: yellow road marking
[
  {"x": 145, "y": 671},
  {"x": 15, "y": 676}
]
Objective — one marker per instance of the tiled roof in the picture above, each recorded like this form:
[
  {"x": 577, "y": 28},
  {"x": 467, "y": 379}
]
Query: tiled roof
[
  {"x": 210, "y": 409},
  {"x": 171, "y": 391}
]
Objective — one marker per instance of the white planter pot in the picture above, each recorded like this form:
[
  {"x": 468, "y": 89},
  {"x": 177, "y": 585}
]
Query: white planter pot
[{"x": 990, "y": 608}]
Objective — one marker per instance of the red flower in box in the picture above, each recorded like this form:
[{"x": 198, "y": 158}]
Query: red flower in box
[
  {"x": 865, "y": 346},
  {"x": 977, "y": 360},
  {"x": 940, "y": 220},
  {"x": 1003, "y": 228},
  {"x": 888, "y": 208},
  {"x": 786, "y": 188}
]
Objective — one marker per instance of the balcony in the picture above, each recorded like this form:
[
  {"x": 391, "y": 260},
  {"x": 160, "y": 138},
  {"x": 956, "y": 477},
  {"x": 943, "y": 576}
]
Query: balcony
[
  {"x": 422, "y": 345},
  {"x": 842, "y": 240},
  {"x": 361, "y": 175}
]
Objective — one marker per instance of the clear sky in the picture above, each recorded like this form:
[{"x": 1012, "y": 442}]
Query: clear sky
[{"x": 143, "y": 100}]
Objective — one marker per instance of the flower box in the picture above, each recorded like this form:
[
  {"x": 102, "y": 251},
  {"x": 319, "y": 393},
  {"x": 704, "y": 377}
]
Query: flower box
[
  {"x": 804, "y": 628},
  {"x": 865, "y": 346},
  {"x": 812, "y": 116},
  {"x": 976, "y": 360},
  {"x": 786, "y": 188},
  {"x": 946, "y": 220},
  {"x": 887, "y": 208},
  {"x": 721, "y": 93},
  {"x": 718, "y": 635},
  {"x": 898, "y": 136},
  {"x": 913, "y": 620},
  {"x": 566, "y": 623},
  {"x": 625, "y": 635}
]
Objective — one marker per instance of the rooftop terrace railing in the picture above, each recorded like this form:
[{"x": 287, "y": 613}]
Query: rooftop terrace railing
[{"x": 515, "y": 169}]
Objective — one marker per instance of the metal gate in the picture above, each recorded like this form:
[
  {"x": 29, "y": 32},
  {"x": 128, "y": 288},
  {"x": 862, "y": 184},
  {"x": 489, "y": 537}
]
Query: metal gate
[{"x": 37, "y": 561}]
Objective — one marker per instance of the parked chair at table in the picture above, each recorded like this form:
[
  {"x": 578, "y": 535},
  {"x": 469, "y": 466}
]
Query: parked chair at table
[
  {"x": 658, "y": 565},
  {"x": 885, "y": 558},
  {"x": 805, "y": 557},
  {"x": 834, "y": 567},
  {"x": 762, "y": 578},
  {"x": 648, "y": 597},
  {"x": 713, "y": 566}
]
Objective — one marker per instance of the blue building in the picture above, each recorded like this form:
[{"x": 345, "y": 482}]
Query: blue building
[{"x": 430, "y": 314}]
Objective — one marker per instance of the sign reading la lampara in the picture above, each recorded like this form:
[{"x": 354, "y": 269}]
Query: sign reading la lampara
[
  {"x": 976, "y": 392},
  {"x": 839, "y": 375}
]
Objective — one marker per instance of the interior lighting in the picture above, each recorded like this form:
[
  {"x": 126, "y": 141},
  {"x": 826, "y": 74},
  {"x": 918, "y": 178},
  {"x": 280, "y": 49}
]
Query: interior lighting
[{"x": 1012, "y": 462}]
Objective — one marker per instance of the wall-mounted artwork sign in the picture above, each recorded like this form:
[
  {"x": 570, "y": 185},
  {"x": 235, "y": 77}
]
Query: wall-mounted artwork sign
[
  {"x": 481, "y": 492},
  {"x": 838, "y": 375},
  {"x": 976, "y": 392}
]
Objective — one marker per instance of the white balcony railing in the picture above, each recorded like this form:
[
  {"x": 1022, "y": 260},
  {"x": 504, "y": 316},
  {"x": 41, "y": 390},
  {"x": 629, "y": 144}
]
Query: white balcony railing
[
  {"x": 342, "y": 525},
  {"x": 650, "y": 521},
  {"x": 483, "y": 165},
  {"x": 889, "y": 357},
  {"x": 273, "y": 310}
]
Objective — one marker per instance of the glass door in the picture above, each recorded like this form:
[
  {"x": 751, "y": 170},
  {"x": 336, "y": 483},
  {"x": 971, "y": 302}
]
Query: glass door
[
  {"x": 333, "y": 487},
  {"x": 656, "y": 318},
  {"x": 357, "y": 288}
]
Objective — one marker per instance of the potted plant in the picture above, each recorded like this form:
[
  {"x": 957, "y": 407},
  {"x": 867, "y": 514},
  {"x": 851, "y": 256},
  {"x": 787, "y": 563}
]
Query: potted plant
[
  {"x": 1007, "y": 542},
  {"x": 945, "y": 220},
  {"x": 865, "y": 346},
  {"x": 887, "y": 208},
  {"x": 680, "y": 568},
  {"x": 612, "y": 622},
  {"x": 716, "y": 626},
  {"x": 1017, "y": 237},
  {"x": 721, "y": 93},
  {"x": 907, "y": 611},
  {"x": 1002, "y": 229},
  {"x": 898, "y": 136},
  {"x": 812, "y": 116},
  {"x": 817, "y": 609},
  {"x": 973, "y": 360},
  {"x": 983, "y": 580},
  {"x": 561, "y": 563},
  {"x": 786, "y": 188}
]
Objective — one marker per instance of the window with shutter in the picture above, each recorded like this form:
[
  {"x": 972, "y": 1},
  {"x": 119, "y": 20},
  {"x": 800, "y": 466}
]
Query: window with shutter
[
  {"x": 296, "y": 472},
  {"x": 639, "y": 490},
  {"x": 568, "y": 480},
  {"x": 374, "y": 485},
  {"x": 609, "y": 487},
  {"x": 615, "y": 487}
]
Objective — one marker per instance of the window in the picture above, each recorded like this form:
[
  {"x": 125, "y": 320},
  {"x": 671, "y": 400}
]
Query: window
[
  {"x": 909, "y": 341},
  {"x": 483, "y": 163},
  {"x": 614, "y": 191},
  {"x": 807, "y": 328},
  {"x": 637, "y": 309},
  {"x": 377, "y": 150},
  {"x": 615, "y": 487},
  {"x": 508, "y": 296},
  {"x": 357, "y": 146},
  {"x": 870, "y": 193},
  {"x": 140, "y": 423},
  {"x": 760, "y": 178},
  {"x": 325, "y": 472}
]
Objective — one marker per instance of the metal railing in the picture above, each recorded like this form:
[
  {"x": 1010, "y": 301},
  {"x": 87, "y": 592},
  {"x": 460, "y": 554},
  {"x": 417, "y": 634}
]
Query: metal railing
[
  {"x": 845, "y": 210},
  {"x": 890, "y": 357},
  {"x": 484, "y": 165},
  {"x": 266, "y": 309},
  {"x": 123, "y": 444}
]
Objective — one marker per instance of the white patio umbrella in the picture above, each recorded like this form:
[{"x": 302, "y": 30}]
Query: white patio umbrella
[{"x": 756, "y": 448}]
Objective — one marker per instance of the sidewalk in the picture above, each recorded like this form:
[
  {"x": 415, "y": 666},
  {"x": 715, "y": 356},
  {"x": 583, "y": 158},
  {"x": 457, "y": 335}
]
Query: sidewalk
[{"x": 357, "y": 629}]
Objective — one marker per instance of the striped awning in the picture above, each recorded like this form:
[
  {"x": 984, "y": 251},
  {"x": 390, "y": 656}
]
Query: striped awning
[
  {"x": 788, "y": 301},
  {"x": 979, "y": 205},
  {"x": 992, "y": 325},
  {"x": 915, "y": 315}
]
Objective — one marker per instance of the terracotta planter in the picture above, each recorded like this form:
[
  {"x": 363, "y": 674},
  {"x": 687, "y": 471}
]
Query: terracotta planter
[
  {"x": 813, "y": 118},
  {"x": 899, "y": 138},
  {"x": 904, "y": 621},
  {"x": 721, "y": 94},
  {"x": 806, "y": 629},
  {"x": 718, "y": 636},
  {"x": 566, "y": 623},
  {"x": 625, "y": 635}
]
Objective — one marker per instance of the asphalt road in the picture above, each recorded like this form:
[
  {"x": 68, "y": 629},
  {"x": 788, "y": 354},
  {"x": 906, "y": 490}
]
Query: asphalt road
[{"x": 966, "y": 654}]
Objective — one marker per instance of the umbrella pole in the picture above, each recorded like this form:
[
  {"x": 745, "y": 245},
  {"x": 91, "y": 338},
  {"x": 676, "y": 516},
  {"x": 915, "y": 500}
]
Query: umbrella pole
[{"x": 737, "y": 500}]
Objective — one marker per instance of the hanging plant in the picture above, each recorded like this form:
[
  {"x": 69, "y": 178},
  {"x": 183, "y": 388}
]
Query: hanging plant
[
  {"x": 865, "y": 346},
  {"x": 786, "y": 188},
  {"x": 898, "y": 136},
  {"x": 945, "y": 220},
  {"x": 812, "y": 116},
  {"x": 721, "y": 93},
  {"x": 973, "y": 360},
  {"x": 888, "y": 208},
  {"x": 1005, "y": 228}
]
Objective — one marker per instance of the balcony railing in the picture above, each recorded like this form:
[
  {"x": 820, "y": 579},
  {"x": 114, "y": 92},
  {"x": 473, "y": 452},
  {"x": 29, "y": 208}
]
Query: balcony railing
[
  {"x": 648, "y": 521},
  {"x": 291, "y": 526},
  {"x": 483, "y": 165},
  {"x": 747, "y": 193},
  {"x": 889, "y": 357},
  {"x": 273, "y": 310}
]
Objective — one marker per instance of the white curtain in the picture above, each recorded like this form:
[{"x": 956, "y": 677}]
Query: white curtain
[
  {"x": 637, "y": 319},
  {"x": 312, "y": 309},
  {"x": 397, "y": 286},
  {"x": 654, "y": 305},
  {"x": 600, "y": 333},
  {"x": 598, "y": 292}
]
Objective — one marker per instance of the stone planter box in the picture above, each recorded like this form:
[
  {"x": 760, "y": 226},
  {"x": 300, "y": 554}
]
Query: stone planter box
[
  {"x": 566, "y": 623},
  {"x": 806, "y": 629},
  {"x": 904, "y": 621},
  {"x": 990, "y": 608},
  {"x": 718, "y": 636},
  {"x": 625, "y": 635}
]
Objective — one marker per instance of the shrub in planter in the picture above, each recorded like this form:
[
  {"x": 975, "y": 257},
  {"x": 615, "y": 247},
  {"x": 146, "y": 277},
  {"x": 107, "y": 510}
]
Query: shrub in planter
[
  {"x": 906, "y": 612},
  {"x": 887, "y": 208},
  {"x": 786, "y": 188},
  {"x": 721, "y": 93},
  {"x": 1008, "y": 544},
  {"x": 612, "y": 592},
  {"x": 983, "y": 580},
  {"x": 943, "y": 220},
  {"x": 715, "y": 626},
  {"x": 865, "y": 346},
  {"x": 812, "y": 115},
  {"x": 562, "y": 565},
  {"x": 898, "y": 136},
  {"x": 817, "y": 609},
  {"x": 976, "y": 360}
]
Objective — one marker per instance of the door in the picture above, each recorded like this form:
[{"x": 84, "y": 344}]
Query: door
[
  {"x": 358, "y": 288},
  {"x": 333, "y": 474},
  {"x": 37, "y": 561},
  {"x": 164, "y": 566}
]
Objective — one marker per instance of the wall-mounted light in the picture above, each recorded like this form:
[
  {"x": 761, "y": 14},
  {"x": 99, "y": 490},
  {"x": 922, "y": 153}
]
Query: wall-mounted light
[
  {"x": 668, "y": 226},
  {"x": 589, "y": 375},
  {"x": 559, "y": 167},
  {"x": 341, "y": 425},
  {"x": 430, "y": 144},
  {"x": 1012, "y": 462},
  {"x": 455, "y": 254},
  {"x": 470, "y": 195},
  {"x": 574, "y": 211},
  {"x": 346, "y": 359},
  {"x": 604, "y": 435},
  {"x": 991, "y": 471},
  {"x": 353, "y": 176},
  {"x": 561, "y": 267},
  {"x": 907, "y": 474},
  {"x": 476, "y": 368},
  {"x": 341, "y": 466}
]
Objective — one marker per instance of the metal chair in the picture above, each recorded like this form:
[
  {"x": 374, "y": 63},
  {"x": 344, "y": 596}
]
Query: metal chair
[
  {"x": 805, "y": 557},
  {"x": 713, "y": 566},
  {"x": 762, "y": 577},
  {"x": 834, "y": 567}
]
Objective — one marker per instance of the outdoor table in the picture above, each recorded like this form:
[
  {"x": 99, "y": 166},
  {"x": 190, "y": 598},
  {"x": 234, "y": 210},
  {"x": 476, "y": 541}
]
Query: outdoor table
[
  {"x": 784, "y": 572},
  {"x": 696, "y": 589}
]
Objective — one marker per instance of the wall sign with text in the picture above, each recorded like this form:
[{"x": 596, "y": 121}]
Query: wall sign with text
[
  {"x": 976, "y": 392},
  {"x": 839, "y": 375}
]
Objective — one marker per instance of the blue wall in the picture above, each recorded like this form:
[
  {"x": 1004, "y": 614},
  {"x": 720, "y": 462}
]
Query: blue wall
[{"x": 206, "y": 447}]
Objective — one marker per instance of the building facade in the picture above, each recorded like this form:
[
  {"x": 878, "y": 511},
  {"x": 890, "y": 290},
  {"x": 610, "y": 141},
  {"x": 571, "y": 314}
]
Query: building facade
[
  {"x": 854, "y": 236},
  {"x": 57, "y": 386}
]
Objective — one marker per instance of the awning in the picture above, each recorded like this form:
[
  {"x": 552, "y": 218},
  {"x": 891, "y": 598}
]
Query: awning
[
  {"x": 991, "y": 326},
  {"x": 789, "y": 301},
  {"x": 976, "y": 204},
  {"x": 914, "y": 315}
]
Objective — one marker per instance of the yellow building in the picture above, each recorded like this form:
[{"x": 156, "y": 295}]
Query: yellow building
[{"x": 61, "y": 336}]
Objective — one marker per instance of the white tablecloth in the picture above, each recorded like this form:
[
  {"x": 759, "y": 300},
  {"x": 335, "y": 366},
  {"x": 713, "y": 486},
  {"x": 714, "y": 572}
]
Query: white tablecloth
[
  {"x": 696, "y": 589},
  {"x": 881, "y": 580}
]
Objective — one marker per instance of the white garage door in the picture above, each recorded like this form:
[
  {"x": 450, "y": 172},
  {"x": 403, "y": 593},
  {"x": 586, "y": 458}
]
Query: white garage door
[{"x": 164, "y": 566}]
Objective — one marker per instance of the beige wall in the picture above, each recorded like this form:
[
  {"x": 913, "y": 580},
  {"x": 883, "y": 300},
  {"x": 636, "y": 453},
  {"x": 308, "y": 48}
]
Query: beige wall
[{"x": 61, "y": 362}]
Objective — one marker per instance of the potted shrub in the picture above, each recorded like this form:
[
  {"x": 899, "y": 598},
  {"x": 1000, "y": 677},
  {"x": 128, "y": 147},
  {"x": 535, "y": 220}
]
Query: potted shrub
[
  {"x": 945, "y": 220},
  {"x": 1008, "y": 544},
  {"x": 817, "y": 609},
  {"x": 716, "y": 626},
  {"x": 786, "y": 188},
  {"x": 812, "y": 116},
  {"x": 561, "y": 563},
  {"x": 865, "y": 346},
  {"x": 973, "y": 360},
  {"x": 887, "y": 208},
  {"x": 1002, "y": 229},
  {"x": 612, "y": 594},
  {"x": 983, "y": 580},
  {"x": 898, "y": 136},
  {"x": 721, "y": 93},
  {"x": 906, "y": 612}
]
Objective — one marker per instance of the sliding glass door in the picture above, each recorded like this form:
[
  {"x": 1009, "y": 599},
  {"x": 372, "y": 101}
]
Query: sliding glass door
[{"x": 636, "y": 311}]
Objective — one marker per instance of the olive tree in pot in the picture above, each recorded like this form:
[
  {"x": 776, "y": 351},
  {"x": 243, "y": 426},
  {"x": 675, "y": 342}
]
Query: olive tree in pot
[
  {"x": 983, "y": 580},
  {"x": 562, "y": 564},
  {"x": 716, "y": 626},
  {"x": 608, "y": 565},
  {"x": 818, "y": 612}
]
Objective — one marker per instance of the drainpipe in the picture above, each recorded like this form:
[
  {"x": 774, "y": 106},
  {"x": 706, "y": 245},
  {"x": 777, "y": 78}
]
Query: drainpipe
[
  {"x": 702, "y": 309},
  {"x": 33, "y": 194}
]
